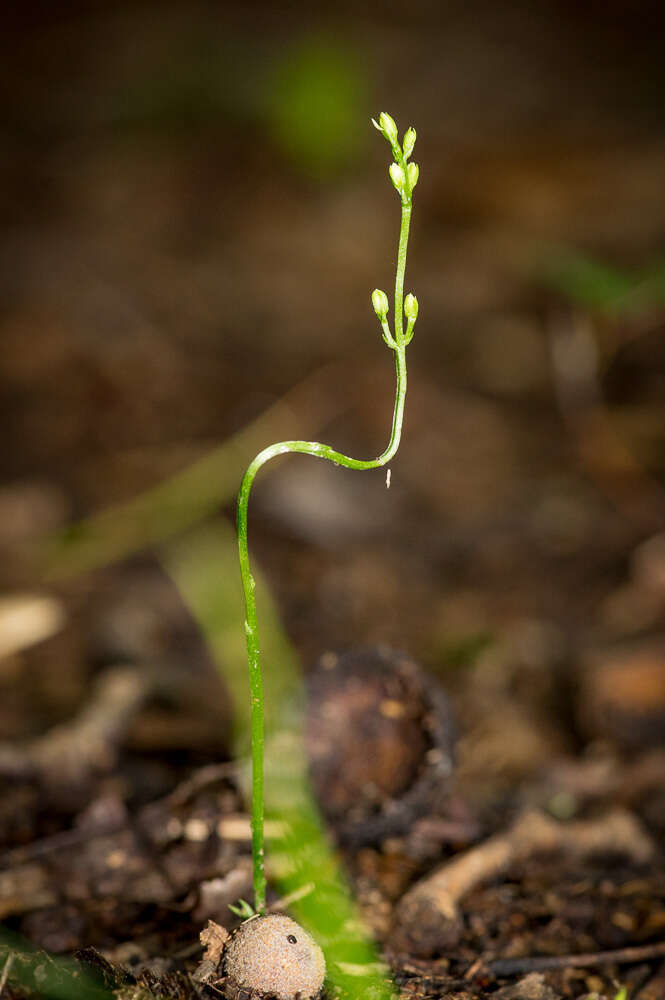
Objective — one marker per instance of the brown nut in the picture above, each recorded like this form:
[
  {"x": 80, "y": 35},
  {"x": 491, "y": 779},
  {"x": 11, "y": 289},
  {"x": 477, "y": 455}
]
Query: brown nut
[{"x": 380, "y": 740}]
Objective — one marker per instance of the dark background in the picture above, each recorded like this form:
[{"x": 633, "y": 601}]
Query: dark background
[{"x": 195, "y": 209}]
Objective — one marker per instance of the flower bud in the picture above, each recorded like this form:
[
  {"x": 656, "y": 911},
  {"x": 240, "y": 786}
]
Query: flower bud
[
  {"x": 388, "y": 126},
  {"x": 397, "y": 176},
  {"x": 380, "y": 303},
  {"x": 411, "y": 307},
  {"x": 413, "y": 170},
  {"x": 409, "y": 142}
]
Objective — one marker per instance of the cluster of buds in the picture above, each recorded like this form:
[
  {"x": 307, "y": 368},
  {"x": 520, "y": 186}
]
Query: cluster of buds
[
  {"x": 404, "y": 175},
  {"x": 380, "y": 303}
]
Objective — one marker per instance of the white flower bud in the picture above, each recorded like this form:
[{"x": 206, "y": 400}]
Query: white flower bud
[
  {"x": 411, "y": 307},
  {"x": 397, "y": 176},
  {"x": 388, "y": 126},
  {"x": 413, "y": 171},
  {"x": 380, "y": 303},
  {"x": 409, "y": 142}
]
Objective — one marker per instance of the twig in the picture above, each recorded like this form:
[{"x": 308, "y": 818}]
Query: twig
[
  {"x": 5, "y": 972},
  {"x": 60, "y": 841},
  {"x": 26, "y": 619},
  {"x": 202, "y": 778},
  {"x": 540, "y": 963},
  {"x": 654, "y": 989},
  {"x": 283, "y": 904},
  {"x": 69, "y": 755},
  {"x": 428, "y": 916},
  {"x": 199, "y": 780}
]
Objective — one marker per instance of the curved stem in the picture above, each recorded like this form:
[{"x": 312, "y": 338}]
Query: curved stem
[{"x": 317, "y": 450}]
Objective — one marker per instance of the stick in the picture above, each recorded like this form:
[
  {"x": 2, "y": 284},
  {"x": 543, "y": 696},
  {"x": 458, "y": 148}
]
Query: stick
[
  {"x": 428, "y": 916},
  {"x": 5, "y": 973},
  {"x": 540, "y": 963}
]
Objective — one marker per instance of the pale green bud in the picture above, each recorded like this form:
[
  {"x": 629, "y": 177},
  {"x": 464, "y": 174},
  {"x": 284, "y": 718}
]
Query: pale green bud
[
  {"x": 397, "y": 176},
  {"x": 411, "y": 307},
  {"x": 388, "y": 126},
  {"x": 413, "y": 171},
  {"x": 409, "y": 142},
  {"x": 380, "y": 303}
]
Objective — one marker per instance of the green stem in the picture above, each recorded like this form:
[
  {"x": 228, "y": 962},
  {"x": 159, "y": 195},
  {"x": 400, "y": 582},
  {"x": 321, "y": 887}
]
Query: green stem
[
  {"x": 401, "y": 268},
  {"x": 317, "y": 450}
]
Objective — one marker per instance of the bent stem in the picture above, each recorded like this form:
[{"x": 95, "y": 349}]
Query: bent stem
[{"x": 404, "y": 184}]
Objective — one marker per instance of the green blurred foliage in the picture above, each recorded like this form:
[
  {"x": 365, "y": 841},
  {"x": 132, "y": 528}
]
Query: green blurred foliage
[
  {"x": 315, "y": 105},
  {"x": 597, "y": 286},
  {"x": 311, "y": 99},
  {"x": 458, "y": 652},
  {"x": 30, "y": 969}
]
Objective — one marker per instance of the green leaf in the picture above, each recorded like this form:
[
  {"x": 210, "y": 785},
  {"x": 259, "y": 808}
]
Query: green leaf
[{"x": 242, "y": 909}]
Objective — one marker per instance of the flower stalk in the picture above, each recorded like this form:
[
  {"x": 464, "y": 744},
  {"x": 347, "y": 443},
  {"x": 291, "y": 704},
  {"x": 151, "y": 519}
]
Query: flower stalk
[{"x": 404, "y": 177}]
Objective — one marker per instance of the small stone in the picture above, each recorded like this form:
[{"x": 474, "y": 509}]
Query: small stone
[
  {"x": 531, "y": 987},
  {"x": 622, "y": 694}
]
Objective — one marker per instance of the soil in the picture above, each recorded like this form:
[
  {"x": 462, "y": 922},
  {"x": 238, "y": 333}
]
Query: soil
[{"x": 177, "y": 259}]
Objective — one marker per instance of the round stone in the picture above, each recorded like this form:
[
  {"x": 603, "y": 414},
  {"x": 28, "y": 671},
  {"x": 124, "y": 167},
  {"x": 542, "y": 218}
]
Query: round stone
[{"x": 274, "y": 956}]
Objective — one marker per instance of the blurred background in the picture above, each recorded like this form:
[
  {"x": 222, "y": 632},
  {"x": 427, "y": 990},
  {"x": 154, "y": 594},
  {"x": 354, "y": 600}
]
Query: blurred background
[{"x": 195, "y": 209}]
